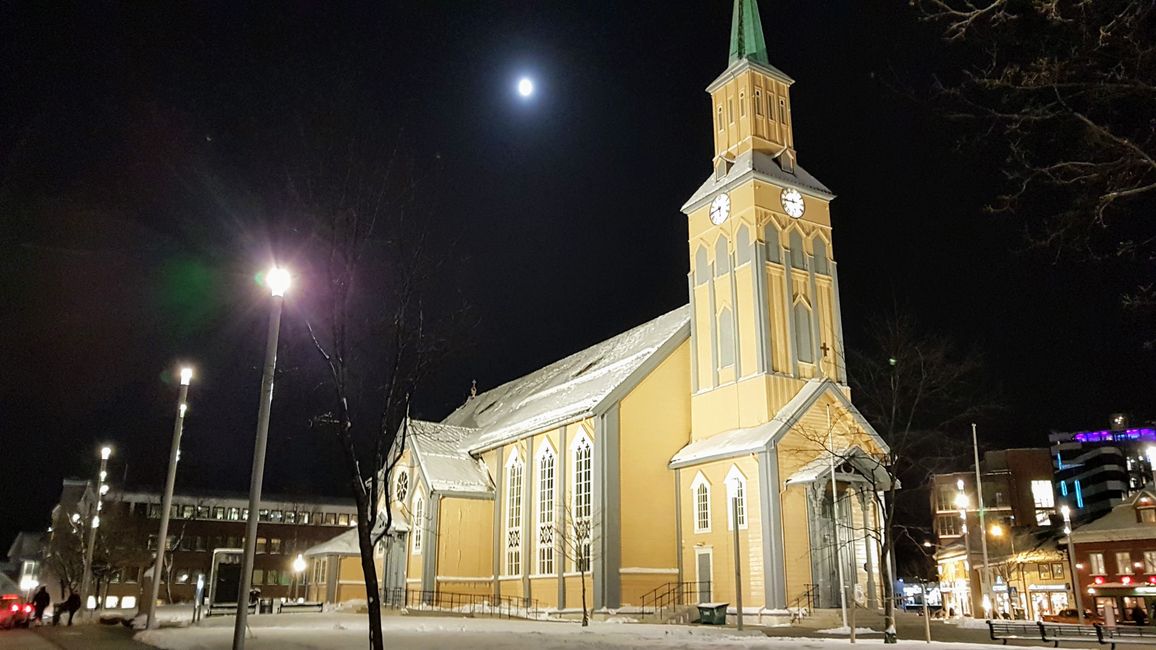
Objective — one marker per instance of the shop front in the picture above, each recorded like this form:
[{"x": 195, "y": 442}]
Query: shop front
[
  {"x": 1048, "y": 599},
  {"x": 1123, "y": 599}
]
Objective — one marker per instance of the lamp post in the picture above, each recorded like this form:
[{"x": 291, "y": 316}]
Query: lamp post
[
  {"x": 961, "y": 503},
  {"x": 93, "y": 524},
  {"x": 1067, "y": 512},
  {"x": 997, "y": 532},
  {"x": 167, "y": 499},
  {"x": 298, "y": 570},
  {"x": 985, "y": 578},
  {"x": 277, "y": 280}
]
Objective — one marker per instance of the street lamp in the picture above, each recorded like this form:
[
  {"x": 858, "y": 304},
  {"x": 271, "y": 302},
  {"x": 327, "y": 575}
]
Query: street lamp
[
  {"x": 186, "y": 375},
  {"x": 961, "y": 503},
  {"x": 93, "y": 524},
  {"x": 298, "y": 569},
  {"x": 1066, "y": 512},
  {"x": 277, "y": 280}
]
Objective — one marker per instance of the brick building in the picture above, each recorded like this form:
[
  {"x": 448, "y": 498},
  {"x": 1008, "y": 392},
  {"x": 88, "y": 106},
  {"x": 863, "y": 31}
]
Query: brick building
[{"x": 1116, "y": 557}]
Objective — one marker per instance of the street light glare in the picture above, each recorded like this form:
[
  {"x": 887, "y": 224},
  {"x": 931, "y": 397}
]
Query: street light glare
[
  {"x": 186, "y": 375},
  {"x": 1065, "y": 510},
  {"x": 997, "y": 530},
  {"x": 299, "y": 564},
  {"x": 105, "y": 452},
  {"x": 277, "y": 279}
]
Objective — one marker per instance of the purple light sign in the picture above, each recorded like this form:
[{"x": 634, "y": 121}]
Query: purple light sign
[{"x": 1108, "y": 436}]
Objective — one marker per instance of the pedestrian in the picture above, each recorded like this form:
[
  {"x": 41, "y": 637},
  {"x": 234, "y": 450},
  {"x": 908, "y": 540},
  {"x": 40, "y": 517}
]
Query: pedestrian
[
  {"x": 1139, "y": 616},
  {"x": 72, "y": 605},
  {"x": 40, "y": 603}
]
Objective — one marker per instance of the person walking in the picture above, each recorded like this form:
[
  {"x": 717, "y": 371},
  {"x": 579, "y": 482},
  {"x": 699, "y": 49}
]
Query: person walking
[
  {"x": 1139, "y": 616},
  {"x": 40, "y": 603},
  {"x": 72, "y": 605}
]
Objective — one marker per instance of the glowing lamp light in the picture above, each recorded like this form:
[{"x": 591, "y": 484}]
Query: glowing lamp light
[
  {"x": 961, "y": 501},
  {"x": 277, "y": 279},
  {"x": 27, "y": 583},
  {"x": 105, "y": 452},
  {"x": 1152, "y": 580},
  {"x": 104, "y": 489},
  {"x": 959, "y": 484},
  {"x": 997, "y": 530},
  {"x": 1092, "y": 590},
  {"x": 96, "y": 521},
  {"x": 1098, "y": 580},
  {"x": 1065, "y": 511},
  {"x": 103, "y": 475},
  {"x": 183, "y": 408},
  {"x": 299, "y": 564},
  {"x": 1126, "y": 580},
  {"x": 1080, "y": 565},
  {"x": 186, "y": 376},
  {"x": 75, "y": 518}
]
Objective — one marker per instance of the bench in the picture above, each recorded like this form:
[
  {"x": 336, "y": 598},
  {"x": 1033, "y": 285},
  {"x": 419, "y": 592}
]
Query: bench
[
  {"x": 302, "y": 607},
  {"x": 1004, "y": 630},
  {"x": 230, "y": 609},
  {"x": 1125, "y": 634},
  {"x": 1056, "y": 632}
]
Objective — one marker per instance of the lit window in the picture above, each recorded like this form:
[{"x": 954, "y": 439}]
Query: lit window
[
  {"x": 700, "y": 491},
  {"x": 774, "y": 252},
  {"x": 128, "y": 602},
  {"x": 1150, "y": 562},
  {"x": 218, "y": 513},
  {"x": 514, "y": 515},
  {"x": 1045, "y": 571},
  {"x": 1042, "y": 494},
  {"x": 258, "y": 577},
  {"x": 1043, "y": 517},
  {"x": 110, "y": 602},
  {"x": 546, "y": 463},
  {"x": 271, "y": 577},
  {"x": 736, "y": 489},
  {"x": 1123, "y": 563},
  {"x": 261, "y": 541},
  {"x": 583, "y": 503},
  {"x": 418, "y": 523},
  {"x": 1096, "y": 564}
]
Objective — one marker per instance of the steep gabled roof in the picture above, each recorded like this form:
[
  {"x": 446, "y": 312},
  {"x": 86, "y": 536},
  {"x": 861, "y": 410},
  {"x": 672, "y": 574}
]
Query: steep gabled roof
[
  {"x": 737, "y": 442},
  {"x": 582, "y": 384},
  {"x": 443, "y": 459},
  {"x": 1120, "y": 522}
]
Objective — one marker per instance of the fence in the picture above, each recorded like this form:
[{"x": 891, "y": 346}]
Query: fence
[
  {"x": 673, "y": 594},
  {"x": 473, "y": 604}
]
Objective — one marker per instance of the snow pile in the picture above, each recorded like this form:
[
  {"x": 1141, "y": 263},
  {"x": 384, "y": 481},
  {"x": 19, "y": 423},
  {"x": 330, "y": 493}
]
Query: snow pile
[{"x": 968, "y": 623}]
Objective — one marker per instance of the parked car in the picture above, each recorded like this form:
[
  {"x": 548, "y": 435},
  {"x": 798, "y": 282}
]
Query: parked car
[{"x": 1072, "y": 616}]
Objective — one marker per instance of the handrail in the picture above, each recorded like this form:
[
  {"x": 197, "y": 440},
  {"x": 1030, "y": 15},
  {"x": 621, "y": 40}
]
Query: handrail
[
  {"x": 500, "y": 606},
  {"x": 671, "y": 594}
]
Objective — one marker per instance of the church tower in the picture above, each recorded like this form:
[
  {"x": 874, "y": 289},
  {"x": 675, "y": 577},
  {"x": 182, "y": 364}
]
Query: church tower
[{"x": 763, "y": 283}]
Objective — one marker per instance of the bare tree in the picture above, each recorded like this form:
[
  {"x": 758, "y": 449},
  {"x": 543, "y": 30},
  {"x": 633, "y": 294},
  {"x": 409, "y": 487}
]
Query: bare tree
[
  {"x": 1066, "y": 88},
  {"x": 575, "y": 540}
]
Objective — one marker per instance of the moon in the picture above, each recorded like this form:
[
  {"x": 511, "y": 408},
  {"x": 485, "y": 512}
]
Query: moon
[{"x": 525, "y": 87}]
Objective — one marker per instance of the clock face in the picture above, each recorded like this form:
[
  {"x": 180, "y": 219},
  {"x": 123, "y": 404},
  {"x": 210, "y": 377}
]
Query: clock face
[
  {"x": 720, "y": 208},
  {"x": 792, "y": 202}
]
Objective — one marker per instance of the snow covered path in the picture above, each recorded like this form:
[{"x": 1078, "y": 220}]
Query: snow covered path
[{"x": 309, "y": 631}]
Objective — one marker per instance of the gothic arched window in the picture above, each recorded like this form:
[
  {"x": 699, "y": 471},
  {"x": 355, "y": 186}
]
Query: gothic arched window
[
  {"x": 820, "y": 248},
  {"x": 701, "y": 266},
  {"x": 798, "y": 253},
  {"x": 804, "y": 343},
  {"x": 771, "y": 235},
  {"x": 726, "y": 338},
  {"x": 742, "y": 246},
  {"x": 722, "y": 257}
]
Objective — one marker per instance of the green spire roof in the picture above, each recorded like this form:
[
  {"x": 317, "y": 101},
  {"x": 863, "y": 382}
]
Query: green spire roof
[{"x": 747, "y": 40}]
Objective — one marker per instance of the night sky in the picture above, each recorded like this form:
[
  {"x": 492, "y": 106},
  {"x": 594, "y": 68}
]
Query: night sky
[{"x": 131, "y": 135}]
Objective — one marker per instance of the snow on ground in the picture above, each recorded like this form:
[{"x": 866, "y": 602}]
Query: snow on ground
[
  {"x": 846, "y": 630},
  {"x": 305, "y": 631}
]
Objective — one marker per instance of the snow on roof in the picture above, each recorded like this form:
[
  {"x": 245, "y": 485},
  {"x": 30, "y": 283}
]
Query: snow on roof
[
  {"x": 1120, "y": 522},
  {"x": 567, "y": 389},
  {"x": 446, "y": 465},
  {"x": 760, "y": 165},
  {"x": 346, "y": 543},
  {"x": 861, "y": 464},
  {"x": 737, "y": 442}
]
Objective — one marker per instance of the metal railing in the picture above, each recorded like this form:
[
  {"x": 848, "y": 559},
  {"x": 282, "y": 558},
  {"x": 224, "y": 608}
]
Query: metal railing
[
  {"x": 808, "y": 599},
  {"x": 472, "y": 604},
  {"x": 673, "y": 594}
]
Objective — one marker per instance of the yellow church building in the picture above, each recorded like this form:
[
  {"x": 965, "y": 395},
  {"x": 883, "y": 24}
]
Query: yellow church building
[{"x": 631, "y": 464}]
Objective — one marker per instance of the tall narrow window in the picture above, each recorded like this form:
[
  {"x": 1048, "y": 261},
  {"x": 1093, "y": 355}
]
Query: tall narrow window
[
  {"x": 731, "y": 111},
  {"x": 742, "y": 104},
  {"x": 804, "y": 346},
  {"x": 758, "y": 102},
  {"x": 736, "y": 490},
  {"x": 820, "y": 248},
  {"x": 514, "y": 516},
  {"x": 583, "y": 514},
  {"x": 1124, "y": 563},
  {"x": 1096, "y": 564},
  {"x": 700, "y": 491},
  {"x": 798, "y": 253},
  {"x": 771, "y": 235},
  {"x": 770, "y": 106},
  {"x": 720, "y": 118},
  {"x": 701, "y": 266},
  {"x": 783, "y": 110},
  {"x": 722, "y": 257},
  {"x": 726, "y": 338},
  {"x": 742, "y": 246},
  {"x": 418, "y": 523},
  {"x": 546, "y": 511}
]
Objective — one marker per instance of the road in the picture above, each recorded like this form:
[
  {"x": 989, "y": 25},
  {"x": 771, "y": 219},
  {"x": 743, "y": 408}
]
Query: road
[{"x": 77, "y": 637}]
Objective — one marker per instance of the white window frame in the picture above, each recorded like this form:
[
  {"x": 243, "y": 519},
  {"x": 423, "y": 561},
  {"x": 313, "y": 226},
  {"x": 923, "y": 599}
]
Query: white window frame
[
  {"x": 736, "y": 479},
  {"x": 515, "y": 481},
  {"x": 1124, "y": 563},
  {"x": 700, "y": 481},
  {"x": 397, "y": 496},
  {"x": 1150, "y": 562},
  {"x": 1096, "y": 564},
  {"x": 582, "y": 511},
  {"x": 546, "y": 555},
  {"x": 1043, "y": 494},
  {"x": 418, "y": 525}
]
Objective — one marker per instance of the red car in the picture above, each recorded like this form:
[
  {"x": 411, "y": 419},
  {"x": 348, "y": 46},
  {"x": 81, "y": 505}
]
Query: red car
[{"x": 14, "y": 612}]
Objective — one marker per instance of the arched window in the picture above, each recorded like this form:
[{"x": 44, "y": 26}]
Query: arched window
[
  {"x": 798, "y": 253},
  {"x": 736, "y": 489},
  {"x": 401, "y": 488},
  {"x": 514, "y": 515},
  {"x": 720, "y": 118},
  {"x": 583, "y": 514},
  {"x": 820, "y": 248},
  {"x": 418, "y": 526},
  {"x": 742, "y": 246},
  {"x": 701, "y": 266},
  {"x": 546, "y": 464},
  {"x": 804, "y": 346},
  {"x": 700, "y": 496},
  {"x": 774, "y": 247},
  {"x": 722, "y": 257},
  {"x": 726, "y": 338}
]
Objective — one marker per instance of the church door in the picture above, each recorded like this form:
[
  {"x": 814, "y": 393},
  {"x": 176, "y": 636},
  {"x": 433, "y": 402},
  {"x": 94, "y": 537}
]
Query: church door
[{"x": 704, "y": 576}]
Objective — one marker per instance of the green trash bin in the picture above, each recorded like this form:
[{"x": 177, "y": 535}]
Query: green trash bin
[{"x": 712, "y": 613}]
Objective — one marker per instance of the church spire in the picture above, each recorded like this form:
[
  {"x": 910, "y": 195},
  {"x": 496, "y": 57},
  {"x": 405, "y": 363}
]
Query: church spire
[{"x": 747, "y": 40}]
